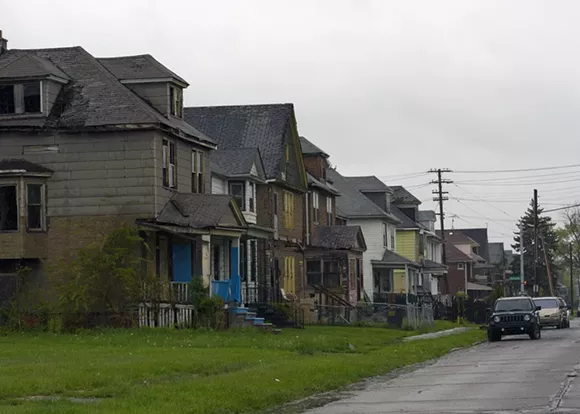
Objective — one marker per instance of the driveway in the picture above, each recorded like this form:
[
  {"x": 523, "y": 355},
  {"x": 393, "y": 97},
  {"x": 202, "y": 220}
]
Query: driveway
[{"x": 516, "y": 375}]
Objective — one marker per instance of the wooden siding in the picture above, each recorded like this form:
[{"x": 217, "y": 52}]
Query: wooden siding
[
  {"x": 156, "y": 94},
  {"x": 373, "y": 233}
]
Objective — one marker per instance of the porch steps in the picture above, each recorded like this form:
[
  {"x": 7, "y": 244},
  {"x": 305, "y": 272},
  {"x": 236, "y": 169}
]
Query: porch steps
[{"x": 243, "y": 318}]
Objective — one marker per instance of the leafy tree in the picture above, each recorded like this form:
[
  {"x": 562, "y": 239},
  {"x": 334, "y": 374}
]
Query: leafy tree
[
  {"x": 569, "y": 235},
  {"x": 547, "y": 239}
]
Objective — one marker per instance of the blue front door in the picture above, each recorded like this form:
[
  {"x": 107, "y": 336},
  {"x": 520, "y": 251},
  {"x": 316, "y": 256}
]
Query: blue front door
[{"x": 181, "y": 262}]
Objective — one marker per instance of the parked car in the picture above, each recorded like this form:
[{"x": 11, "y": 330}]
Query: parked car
[
  {"x": 568, "y": 311},
  {"x": 554, "y": 311},
  {"x": 514, "y": 316}
]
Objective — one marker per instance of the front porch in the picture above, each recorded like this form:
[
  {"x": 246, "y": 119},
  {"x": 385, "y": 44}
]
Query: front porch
[{"x": 394, "y": 274}]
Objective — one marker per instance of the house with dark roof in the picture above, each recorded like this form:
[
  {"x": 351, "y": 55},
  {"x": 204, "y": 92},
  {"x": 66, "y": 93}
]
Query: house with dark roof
[
  {"x": 415, "y": 240},
  {"x": 371, "y": 210},
  {"x": 464, "y": 261},
  {"x": 334, "y": 252},
  {"x": 259, "y": 162},
  {"x": 86, "y": 142}
]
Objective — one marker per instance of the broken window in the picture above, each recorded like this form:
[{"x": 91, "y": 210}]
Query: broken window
[
  {"x": 8, "y": 208},
  {"x": 35, "y": 216},
  {"x": 314, "y": 272}
]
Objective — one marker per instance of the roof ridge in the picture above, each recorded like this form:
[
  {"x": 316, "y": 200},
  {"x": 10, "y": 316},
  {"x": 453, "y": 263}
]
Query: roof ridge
[{"x": 241, "y": 106}]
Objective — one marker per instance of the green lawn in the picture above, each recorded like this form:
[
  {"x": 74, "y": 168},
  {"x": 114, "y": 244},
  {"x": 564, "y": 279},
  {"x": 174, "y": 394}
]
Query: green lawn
[{"x": 152, "y": 371}]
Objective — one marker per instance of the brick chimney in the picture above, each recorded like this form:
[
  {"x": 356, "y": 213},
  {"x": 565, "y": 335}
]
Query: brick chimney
[{"x": 3, "y": 44}]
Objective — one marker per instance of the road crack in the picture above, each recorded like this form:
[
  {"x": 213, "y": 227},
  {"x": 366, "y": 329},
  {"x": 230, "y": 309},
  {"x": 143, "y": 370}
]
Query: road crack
[{"x": 556, "y": 400}]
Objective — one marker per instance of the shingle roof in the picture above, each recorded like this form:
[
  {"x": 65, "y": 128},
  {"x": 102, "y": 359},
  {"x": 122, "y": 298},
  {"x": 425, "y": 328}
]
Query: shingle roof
[
  {"x": 390, "y": 257},
  {"x": 457, "y": 237},
  {"x": 406, "y": 221},
  {"x": 454, "y": 255},
  {"x": 480, "y": 236},
  {"x": 308, "y": 148},
  {"x": 93, "y": 98},
  {"x": 337, "y": 237},
  {"x": 27, "y": 66},
  {"x": 313, "y": 182},
  {"x": 238, "y": 162},
  {"x": 430, "y": 264},
  {"x": 352, "y": 203},
  {"x": 16, "y": 164},
  {"x": 368, "y": 184},
  {"x": 197, "y": 211},
  {"x": 247, "y": 126},
  {"x": 402, "y": 196},
  {"x": 138, "y": 67}
]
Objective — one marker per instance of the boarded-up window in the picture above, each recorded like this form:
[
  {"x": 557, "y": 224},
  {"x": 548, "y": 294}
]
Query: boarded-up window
[
  {"x": 288, "y": 210},
  {"x": 8, "y": 208}
]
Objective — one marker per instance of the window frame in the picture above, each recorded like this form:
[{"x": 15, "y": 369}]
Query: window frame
[
  {"x": 176, "y": 101},
  {"x": 16, "y": 192},
  {"x": 385, "y": 235},
  {"x": 42, "y": 206},
  {"x": 169, "y": 169},
  {"x": 460, "y": 266},
  {"x": 242, "y": 184},
  {"x": 19, "y": 100},
  {"x": 329, "y": 211},
  {"x": 197, "y": 171},
  {"x": 252, "y": 197},
  {"x": 315, "y": 207}
]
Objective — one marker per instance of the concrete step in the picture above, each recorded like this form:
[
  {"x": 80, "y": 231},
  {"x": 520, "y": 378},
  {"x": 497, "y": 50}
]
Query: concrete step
[
  {"x": 250, "y": 315},
  {"x": 240, "y": 310},
  {"x": 259, "y": 321}
]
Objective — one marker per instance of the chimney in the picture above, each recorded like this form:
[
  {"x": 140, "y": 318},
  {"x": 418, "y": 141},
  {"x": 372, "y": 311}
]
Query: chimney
[{"x": 3, "y": 44}]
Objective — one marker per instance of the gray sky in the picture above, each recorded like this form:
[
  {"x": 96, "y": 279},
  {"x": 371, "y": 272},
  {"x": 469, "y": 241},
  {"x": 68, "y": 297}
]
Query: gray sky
[{"x": 387, "y": 88}]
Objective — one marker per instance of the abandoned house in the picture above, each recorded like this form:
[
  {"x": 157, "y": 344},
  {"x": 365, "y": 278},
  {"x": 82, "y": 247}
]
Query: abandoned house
[{"x": 85, "y": 142}]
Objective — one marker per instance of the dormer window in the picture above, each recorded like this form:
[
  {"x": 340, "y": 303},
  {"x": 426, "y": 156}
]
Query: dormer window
[
  {"x": 176, "y": 99},
  {"x": 21, "y": 98}
]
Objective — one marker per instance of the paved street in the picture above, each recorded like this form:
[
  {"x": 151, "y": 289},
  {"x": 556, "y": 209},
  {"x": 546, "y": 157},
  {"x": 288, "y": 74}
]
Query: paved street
[{"x": 516, "y": 375}]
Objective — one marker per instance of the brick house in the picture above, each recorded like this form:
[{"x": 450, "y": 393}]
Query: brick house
[
  {"x": 334, "y": 252},
  {"x": 85, "y": 142},
  {"x": 267, "y": 135}
]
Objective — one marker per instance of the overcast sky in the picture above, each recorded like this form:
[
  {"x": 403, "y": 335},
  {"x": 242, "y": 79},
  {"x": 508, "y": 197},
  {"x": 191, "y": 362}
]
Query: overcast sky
[{"x": 388, "y": 88}]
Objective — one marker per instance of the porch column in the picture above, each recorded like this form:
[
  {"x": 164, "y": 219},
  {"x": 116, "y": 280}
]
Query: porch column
[
  {"x": 406, "y": 284},
  {"x": 206, "y": 262},
  {"x": 236, "y": 283}
]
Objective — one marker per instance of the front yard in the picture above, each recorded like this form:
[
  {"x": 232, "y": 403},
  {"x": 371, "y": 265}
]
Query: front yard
[{"x": 179, "y": 371}]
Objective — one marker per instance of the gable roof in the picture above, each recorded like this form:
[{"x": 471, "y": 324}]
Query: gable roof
[
  {"x": 308, "y": 148},
  {"x": 29, "y": 66},
  {"x": 93, "y": 98},
  {"x": 454, "y": 255},
  {"x": 352, "y": 203},
  {"x": 18, "y": 165},
  {"x": 368, "y": 184},
  {"x": 201, "y": 211},
  {"x": 394, "y": 260},
  {"x": 237, "y": 163},
  {"x": 457, "y": 237},
  {"x": 247, "y": 126},
  {"x": 406, "y": 221},
  {"x": 402, "y": 196},
  {"x": 338, "y": 237},
  {"x": 321, "y": 185},
  {"x": 480, "y": 236},
  {"x": 138, "y": 67}
]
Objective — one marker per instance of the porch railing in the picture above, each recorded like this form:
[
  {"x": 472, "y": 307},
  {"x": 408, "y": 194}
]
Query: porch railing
[{"x": 180, "y": 292}]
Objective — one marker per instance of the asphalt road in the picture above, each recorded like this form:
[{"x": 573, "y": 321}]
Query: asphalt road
[{"x": 516, "y": 375}]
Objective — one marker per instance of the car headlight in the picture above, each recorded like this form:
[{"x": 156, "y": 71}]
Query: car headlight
[
  {"x": 496, "y": 319},
  {"x": 526, "y": 318}
]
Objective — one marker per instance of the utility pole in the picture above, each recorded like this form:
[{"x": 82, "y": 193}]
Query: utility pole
[
  {"x": 571, "y": 277},
  {"x": 522, "y": 287},
  {"x": 535, "y": 242},
  {"x": 440, "y": 199}
]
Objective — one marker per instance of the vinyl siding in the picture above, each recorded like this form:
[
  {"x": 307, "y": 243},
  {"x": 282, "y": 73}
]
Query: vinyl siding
[
  {"x": 373, "y": 234},
  {"x": 156, "y": 94},
  {"x": 218, "y": 186},
  {"x": 406, "y": 241}
]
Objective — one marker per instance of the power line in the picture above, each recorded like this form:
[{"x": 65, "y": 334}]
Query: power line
[
  {"x": 561, "y": 208},
  {"x": 485, "y": 217},
  {"x": 485, "y": 201},
  {"x": 536, "y": 183},
  {"x": 557, "y": 167},
  {"x": 524, "y": 177}
]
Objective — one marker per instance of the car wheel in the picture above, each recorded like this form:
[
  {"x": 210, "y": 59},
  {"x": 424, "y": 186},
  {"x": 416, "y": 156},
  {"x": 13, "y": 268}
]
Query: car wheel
[
  {"x": 559, "y": 326},
  {"x": 537, "y": 334}
]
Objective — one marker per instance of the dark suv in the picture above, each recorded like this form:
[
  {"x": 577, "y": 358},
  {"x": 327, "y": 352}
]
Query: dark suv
[{"x": 514, "y": 316}]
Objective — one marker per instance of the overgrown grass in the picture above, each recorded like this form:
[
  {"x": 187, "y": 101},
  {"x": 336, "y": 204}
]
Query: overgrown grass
[{"x": 151, "y": 371}]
